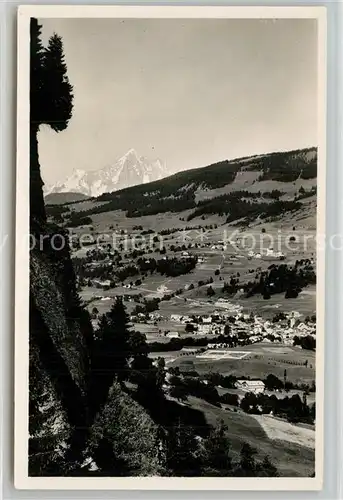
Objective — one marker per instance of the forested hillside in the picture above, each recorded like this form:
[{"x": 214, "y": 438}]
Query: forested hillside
[{"x": 266, "y": 186}]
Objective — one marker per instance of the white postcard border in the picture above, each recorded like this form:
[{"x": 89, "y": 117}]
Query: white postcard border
[{"x": 22, "y": 480}]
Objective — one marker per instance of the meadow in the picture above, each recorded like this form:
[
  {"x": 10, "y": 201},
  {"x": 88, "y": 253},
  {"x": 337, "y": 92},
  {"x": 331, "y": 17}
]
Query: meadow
[
  {"x": 292, "y": 459},
  {"x": 262, "y": 359}
]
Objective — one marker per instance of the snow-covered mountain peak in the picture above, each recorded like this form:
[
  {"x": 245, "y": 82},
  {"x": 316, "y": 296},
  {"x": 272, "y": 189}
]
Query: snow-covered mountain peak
[
  {"x": 77, "y": 172},
  {"x": 129, "y": 170}
]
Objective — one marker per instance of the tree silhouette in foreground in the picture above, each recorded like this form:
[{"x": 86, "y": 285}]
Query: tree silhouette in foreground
[
  {"x": 51, "y": 103},
  {"x": 216, "y": 457},
  {"x": 181, "y": 453},
  {"x": 111, "y": 353}
]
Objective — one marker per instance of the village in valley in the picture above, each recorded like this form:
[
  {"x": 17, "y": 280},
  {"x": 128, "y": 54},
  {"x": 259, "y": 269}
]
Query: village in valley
[
  {"x": 233, "y": 326},
  {"x": 221, "y": 297}
]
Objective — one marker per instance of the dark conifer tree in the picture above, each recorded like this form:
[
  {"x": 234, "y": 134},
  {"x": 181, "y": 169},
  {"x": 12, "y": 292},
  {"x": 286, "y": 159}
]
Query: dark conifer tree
[
  {"x": 247, "y": 466},
  {"x": 161, "y": 373},
  {"x": 181, "y": 451},
  {"x": 111, "y": 353},
  {"x": 57, "y": 91},
  {"x": 51, "y": 103},
  {"x": 266, "y": 468},
  {"x": 216, "y": 459},
  {"x": 36, "y": 72}
]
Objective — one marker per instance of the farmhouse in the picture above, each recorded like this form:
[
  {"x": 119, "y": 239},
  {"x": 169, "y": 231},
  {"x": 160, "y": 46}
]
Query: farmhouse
[{"x": 255, "y": 386}]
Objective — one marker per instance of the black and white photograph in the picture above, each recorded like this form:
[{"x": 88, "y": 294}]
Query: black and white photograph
[{"x": 171, "y": 173}]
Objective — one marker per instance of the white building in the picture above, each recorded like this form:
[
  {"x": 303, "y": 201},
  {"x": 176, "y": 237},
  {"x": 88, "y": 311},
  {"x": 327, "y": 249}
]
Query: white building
[
  {"x": 255, "y": 338},
  {"x": 173, "y": 335},
  {"x": 175, "y": 317},
  {"x": 204, "y": 329},
  {"x": 186, "y": 319},
  {"x": 155, "y": 316},
  {"x": 255, "y": 386},
  {"x": 101, "y": 283}
]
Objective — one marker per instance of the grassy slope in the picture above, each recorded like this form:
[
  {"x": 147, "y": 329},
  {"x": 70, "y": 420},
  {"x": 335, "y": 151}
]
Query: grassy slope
[{"x": 291, "y": 459}]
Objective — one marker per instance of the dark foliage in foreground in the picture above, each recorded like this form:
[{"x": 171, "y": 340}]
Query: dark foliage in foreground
[{"x": 51, "y": 103}]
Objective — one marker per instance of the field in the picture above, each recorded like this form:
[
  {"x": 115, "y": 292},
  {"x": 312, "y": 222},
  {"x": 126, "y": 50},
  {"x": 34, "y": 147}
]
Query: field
[
  {"x": 292, "y": 459},
  {"x": 217, "y": 354},
  {"x": 229, "y": 263},
  {"x": 261, "y": 360},
  {"x": 278, "y": 429}
]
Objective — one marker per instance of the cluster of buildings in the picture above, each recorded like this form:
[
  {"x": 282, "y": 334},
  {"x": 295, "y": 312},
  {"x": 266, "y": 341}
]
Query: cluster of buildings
[
  {"x": 268, "y": 253},
  {"x": 149, "y": 317},
  {"x": 228, "y": 306},
  {"x": 247, "y": 328},
  {"x": 284, "y": 330}
]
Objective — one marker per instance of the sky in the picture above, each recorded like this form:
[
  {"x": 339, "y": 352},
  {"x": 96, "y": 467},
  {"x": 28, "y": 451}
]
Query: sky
[{"x": 190, "y": 92}]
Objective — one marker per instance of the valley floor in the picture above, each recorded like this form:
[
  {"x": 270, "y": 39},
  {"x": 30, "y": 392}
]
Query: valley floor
[{"x": 182, "y": 298}]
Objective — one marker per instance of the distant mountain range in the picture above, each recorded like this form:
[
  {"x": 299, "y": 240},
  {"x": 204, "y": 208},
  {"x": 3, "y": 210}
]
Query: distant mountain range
[
  {"x": 265, "y": 187},
  {"x": 129, "y": 170}
]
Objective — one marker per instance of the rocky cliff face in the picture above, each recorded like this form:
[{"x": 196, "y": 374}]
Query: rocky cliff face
[
  {"x": 61, "y": 339},
  {"x": 60, "y": 335}
]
